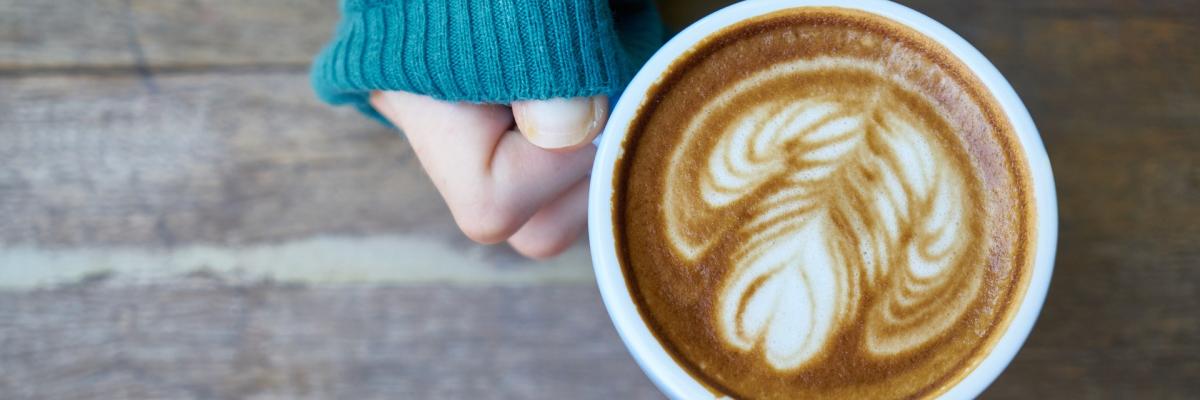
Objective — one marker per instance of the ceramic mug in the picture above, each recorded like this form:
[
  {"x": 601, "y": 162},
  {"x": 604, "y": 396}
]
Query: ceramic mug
[{"x": 672, "y": 379}]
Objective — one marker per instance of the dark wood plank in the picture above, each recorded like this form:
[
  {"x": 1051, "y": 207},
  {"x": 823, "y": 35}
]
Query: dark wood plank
[
  {"x": 202, "y": 338},
  {"x": 1115, "y": 90},
  {"x": 678, "y": 14}
]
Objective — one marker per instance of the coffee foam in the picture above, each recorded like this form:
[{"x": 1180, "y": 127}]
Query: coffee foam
[
  {"x": 859, "y": 153},
  {"x": 842, "y": 218}
]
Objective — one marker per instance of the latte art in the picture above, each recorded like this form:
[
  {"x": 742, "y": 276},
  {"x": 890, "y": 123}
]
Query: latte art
[
  {"x": 822, "y": 203},
  {"x": 847, "y": 194}
]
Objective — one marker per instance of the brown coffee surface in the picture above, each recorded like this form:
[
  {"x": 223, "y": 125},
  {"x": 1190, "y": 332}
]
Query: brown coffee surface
[{"x": 821, "y": 202}]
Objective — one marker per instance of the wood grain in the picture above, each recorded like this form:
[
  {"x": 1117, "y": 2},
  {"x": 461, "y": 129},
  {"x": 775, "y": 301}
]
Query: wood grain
[
  {"x": 159, "y": 124},
  {"x": 201, "y": 158},
  {"x": 116, "y": 35},
  {"x": 202, "y": 338}
]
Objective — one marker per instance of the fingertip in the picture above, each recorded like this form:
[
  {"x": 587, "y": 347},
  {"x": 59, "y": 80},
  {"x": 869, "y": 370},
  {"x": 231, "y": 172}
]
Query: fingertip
[
  {"x": 561, "y": 124},
  {"x": 556, "y": 227},
  {"x": 542, "y": 251}
]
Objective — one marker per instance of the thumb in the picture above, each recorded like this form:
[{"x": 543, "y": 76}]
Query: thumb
[{"x": 561, "y": 124}]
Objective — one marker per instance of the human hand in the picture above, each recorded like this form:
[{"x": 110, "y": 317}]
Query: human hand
[{"x": 527, "y": 186}]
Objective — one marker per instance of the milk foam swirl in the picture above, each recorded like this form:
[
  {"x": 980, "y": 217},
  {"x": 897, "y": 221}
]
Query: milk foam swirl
[{"x": 846, "y": 210}]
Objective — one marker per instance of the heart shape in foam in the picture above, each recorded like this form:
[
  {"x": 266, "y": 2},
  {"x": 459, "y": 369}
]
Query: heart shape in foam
[{"x": 854, "y": 225}]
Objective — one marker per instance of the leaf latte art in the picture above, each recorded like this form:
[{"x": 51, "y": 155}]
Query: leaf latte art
[
  {"x": 822, "y": 203},
  {"x": 855, "y": 214}
]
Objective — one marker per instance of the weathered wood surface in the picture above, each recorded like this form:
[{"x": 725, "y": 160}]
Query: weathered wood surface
[
  {"x": 117, "y": 35},
  {"x": 200, "y": 338},
  {"x": 156, "y": 125},
  {"x": 218, "y": 158}
]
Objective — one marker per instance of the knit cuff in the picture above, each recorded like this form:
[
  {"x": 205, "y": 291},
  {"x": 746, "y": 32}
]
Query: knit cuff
[{"x": 483, "y": 51}]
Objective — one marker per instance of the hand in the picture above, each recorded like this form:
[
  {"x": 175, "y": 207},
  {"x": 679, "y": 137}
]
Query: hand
[{"x": 527, "y": 186}]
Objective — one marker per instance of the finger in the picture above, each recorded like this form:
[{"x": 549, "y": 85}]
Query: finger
[
  {"x": 534, "y": 175},
  {"x": 431, "y": 125},
  {"x": 561, "y": 124},
  {"x": 492, "y": 179},
  {"x": 555, "y": 227}
]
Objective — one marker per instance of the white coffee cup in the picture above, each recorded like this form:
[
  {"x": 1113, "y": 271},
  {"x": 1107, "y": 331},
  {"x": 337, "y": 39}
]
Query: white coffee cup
[{"x": 649, "y": 353}]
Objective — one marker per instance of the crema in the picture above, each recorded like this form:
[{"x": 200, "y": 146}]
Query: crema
[{"x": 821, "y": 202}]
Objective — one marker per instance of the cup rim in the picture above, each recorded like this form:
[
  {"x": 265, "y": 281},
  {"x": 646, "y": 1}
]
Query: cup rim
[{"x": 650, "y": 355}]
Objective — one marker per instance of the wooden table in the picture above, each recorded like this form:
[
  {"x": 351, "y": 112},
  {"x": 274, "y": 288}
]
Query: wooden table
[{"x": 179, "y": 218}]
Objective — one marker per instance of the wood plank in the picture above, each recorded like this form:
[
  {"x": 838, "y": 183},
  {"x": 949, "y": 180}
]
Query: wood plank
[
  {"x": 79, "y": 35},
  {"x": 165, "y": 34},
  {"x": 202, "y": 338},
  {"x": 226, "y": 172},
  {"x": 233, "y": 32},
  {"x": 208, "y": 336},
  {"x": 226, "y": 159},
  {"x": 39, "y": 34}
]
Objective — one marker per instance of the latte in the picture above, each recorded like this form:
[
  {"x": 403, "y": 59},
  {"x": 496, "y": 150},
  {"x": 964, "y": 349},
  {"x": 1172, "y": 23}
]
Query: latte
[{"x": 821, "y": 202}]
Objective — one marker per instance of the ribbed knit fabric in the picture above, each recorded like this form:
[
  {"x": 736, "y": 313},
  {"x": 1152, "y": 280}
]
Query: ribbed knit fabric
[{"x": 485, "y": 51}]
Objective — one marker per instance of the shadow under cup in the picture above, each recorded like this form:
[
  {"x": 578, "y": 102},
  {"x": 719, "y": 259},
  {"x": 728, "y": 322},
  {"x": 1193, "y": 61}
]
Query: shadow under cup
[{"x": 654, "y": 358}]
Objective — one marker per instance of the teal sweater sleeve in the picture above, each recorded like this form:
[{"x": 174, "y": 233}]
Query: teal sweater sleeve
[{"x": 485, "y": 51}]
